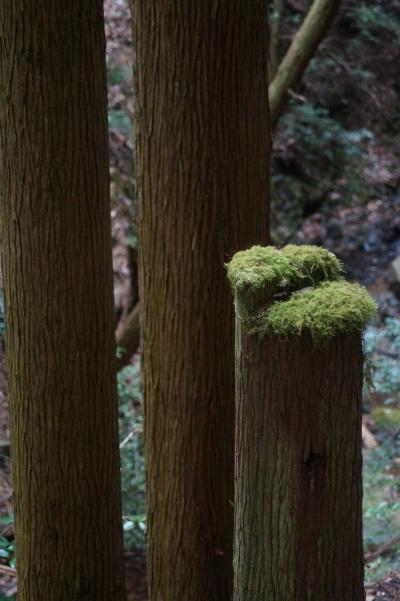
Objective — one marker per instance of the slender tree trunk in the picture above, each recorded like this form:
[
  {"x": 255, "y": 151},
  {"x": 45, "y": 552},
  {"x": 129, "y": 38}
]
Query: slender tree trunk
[
  {"x": 202, "y": 144},
  {"x": 128, "y": 337},
  {"x": 298, "y": 499},
  {"x": 275, "y": 30},
  {"x": 56, "y": 258},
  {"x": 301, "y": 51}
]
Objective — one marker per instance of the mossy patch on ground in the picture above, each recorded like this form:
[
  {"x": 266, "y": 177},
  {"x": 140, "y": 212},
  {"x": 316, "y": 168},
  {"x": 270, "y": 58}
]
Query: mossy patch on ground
[
  {"x": 294, "y": 289},
  {"x": 387, "y": 418}
]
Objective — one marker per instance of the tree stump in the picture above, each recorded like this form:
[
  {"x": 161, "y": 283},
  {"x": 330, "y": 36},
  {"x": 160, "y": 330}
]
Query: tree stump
[{"x": 298, "y": 480}]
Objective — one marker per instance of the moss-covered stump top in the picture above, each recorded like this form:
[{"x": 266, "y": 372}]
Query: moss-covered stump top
[
  {"x": 286, "y": 292},
  {"x": 260, "y": 272},
  {"x": 325, "y": 311}
]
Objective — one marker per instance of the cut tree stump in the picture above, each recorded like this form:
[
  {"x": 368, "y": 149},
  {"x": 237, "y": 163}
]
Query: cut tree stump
[{"x": 299, "y": 375}]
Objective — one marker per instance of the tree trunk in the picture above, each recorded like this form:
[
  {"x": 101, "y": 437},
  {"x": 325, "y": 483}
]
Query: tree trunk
[
  {"x": 128, "y": 337},
  {"x": 298, "y": 499},
  {"x": 56, "y": 259},
  {"x": 274, "y": 34},
  {"x": 202, "y": 145},
  {"x": 301, "y": 51}
]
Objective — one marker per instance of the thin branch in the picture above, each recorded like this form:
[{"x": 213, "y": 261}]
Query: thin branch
[{"x": 301, "y": 50}]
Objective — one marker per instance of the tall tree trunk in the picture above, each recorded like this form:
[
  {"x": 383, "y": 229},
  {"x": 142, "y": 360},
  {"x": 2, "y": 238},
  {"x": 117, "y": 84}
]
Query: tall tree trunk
[
  {"x": 274, "y": 34},
  {"x": 301, "y": 51},
  {"x": 298, "y": 500},
  {"x": 202, "y": 145},
  {"x": 56, "y": 258},
  {"x": 128, "y": 337}
]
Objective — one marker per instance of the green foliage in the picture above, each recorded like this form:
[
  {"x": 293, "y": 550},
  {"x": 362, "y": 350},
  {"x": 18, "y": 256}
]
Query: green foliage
[
  {"x": 118, "y": 74},
  {"x": 324, "y": 64},
  {"x": 374, "y": 19},
  {"x": 381, "y": 465},
  {"x": 7, "y": 549},
  {"x": 387, "y": 419},
  {"x": 381, "y": 506},
  {"x": 313, "y": 153},
  {"x": 382, "y": 351},
  {"x": 323, "y": 139},
  {"x": 132, "y": 456},
  {"x": 120, "y": 120},
  {"x": 296, "y": 19},
  {"x": 330, "y": 309},
  {"x": 132, "y": 238},
  {"x": 365, "y": 75},
  {"x": 118, "y": 117},
  {"x": 273, "y": 14}
]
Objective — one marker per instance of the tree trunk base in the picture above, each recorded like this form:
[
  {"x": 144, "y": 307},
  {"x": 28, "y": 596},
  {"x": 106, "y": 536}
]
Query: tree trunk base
[{"x": 298, "y": 499}]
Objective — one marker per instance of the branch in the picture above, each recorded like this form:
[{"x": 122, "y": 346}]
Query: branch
[{"x": 301, "y": 51}]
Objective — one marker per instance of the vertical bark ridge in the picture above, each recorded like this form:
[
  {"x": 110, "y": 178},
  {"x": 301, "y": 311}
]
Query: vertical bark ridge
[
  {"x": 56, "y": 262},
  {"x": 202, "y": 145},
  {"x": 298, "y": 497}
]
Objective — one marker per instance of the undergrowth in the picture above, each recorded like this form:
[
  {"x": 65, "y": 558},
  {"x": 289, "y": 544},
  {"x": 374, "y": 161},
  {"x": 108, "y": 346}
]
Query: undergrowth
[
  {"x": 132, "y": 456},
  {"x": 382, "y": 464}
]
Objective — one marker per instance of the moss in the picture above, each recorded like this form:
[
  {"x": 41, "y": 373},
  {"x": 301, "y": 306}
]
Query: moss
[
  {"x": 387, "y": 418},
  {"x": 317, "y": 264},
  {"x": 325, "y": 311},
  {"x": 260, "y": 272},
  {"x": 320, "y": 302}
]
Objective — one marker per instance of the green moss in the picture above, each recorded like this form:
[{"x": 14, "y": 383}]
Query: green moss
[
  {"x": 260, "y": 272},
  {"x": 329, "y": 309},
  {"x": 316, "y": 263},
  {"x": 387, "y": 418},
  {"x": 256, "y": 267},
  {"x": 294, "y": 289}
]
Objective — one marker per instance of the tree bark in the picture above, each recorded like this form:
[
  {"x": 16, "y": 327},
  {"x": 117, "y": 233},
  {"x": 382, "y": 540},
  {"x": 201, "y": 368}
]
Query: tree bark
[
  {"x": 301, "y": 51},
  {"x": 202, "y": 143},
  {"x": 298, "y": 499},
  {"x": 56, "y": 260},
  {"x": 128, "y": 337},
  {"x": 274, "y": 34}
]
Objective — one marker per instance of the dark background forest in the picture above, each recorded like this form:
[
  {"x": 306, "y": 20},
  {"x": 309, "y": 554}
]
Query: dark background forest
[{"x": 336, "y": 183}]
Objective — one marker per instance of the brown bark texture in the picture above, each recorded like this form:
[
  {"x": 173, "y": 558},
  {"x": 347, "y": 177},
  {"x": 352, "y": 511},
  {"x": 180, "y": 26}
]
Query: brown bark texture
[
  {"x": 128, "y": 337},
  {"x": 56, "y": 260},
  {"x": 301, "y": 51},
  {"x": 274, "y": 35},
  {"x": 298, "y": 486},
  {"x": 202, "y": 142}
]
